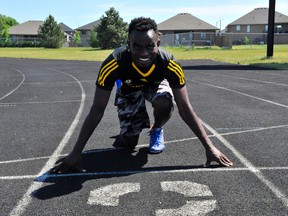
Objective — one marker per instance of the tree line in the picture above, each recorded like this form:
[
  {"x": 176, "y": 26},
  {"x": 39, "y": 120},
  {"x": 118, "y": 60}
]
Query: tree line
[{"x": 111, "y": 32}]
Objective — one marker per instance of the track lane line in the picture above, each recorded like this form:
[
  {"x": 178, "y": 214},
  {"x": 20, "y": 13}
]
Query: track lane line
[
  {"x": 146, "y": 144},
  {"x": 22, "y": 204},
  {"x": 277, "y": 192},
  {"x": 241, "y": 93},
  {"x": 17, "y": 87}
]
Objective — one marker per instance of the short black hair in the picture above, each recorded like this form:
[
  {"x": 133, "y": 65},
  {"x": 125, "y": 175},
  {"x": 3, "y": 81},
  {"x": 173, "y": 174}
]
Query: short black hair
[{"x": 142, "y": 24}]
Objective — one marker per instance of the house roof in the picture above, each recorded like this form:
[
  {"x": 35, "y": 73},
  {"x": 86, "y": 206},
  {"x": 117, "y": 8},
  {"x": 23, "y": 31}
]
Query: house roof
[
  {"x": 259, "y": 16},
  {"x": 89, "y": 26},
  {"x": 31, "y": 28},
  {"x": 26, "y": 28},
  {"x": 65, "y": 28},
  {"x": 185, "y": 21}
]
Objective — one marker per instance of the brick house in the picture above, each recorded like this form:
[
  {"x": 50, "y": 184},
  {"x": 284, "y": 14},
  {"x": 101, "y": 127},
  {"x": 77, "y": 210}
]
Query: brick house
[
  {"x": 255, "y": 25},
  {"x": 186, "y": 29},
  {"x": 85, "y": 32},
  {"x": 28, "y": 32}
]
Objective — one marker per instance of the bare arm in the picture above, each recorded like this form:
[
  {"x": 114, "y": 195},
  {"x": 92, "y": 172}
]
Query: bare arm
[
  {"x": 73, "y": 160},
  {"x": 93, "y": 118},
  {"x": 191, "y": 119}
]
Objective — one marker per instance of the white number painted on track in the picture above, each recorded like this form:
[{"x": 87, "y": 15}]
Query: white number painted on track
[
  {"x": 109, "y": 196},
  {"x": 188, "y": 189}
]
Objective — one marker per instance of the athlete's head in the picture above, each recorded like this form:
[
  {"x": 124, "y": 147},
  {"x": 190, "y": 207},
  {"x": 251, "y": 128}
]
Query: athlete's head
[{"x": 143, "y": 41}]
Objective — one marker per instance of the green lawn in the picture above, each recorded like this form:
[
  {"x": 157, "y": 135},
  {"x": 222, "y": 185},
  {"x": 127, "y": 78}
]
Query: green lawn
[{"x": 246, "y": 55}]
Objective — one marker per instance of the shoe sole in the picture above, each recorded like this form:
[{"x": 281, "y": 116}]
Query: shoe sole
[{"x": 155, "y": 151}]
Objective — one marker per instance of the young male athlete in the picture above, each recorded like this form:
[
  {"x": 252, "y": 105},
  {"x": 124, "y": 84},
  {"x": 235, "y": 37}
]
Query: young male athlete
[{"x": 147, "y": 73}]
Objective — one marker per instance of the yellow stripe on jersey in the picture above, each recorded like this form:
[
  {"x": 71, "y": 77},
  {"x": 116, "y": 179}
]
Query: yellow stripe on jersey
[
  {"x": 144, "y": 74},
  {"x": 106, "y": 70},
  {"x": 174, "y": 67}
]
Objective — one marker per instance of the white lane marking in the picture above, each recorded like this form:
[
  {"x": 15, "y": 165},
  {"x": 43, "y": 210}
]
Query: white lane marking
[
  {"x": 45, "y": 176},
  {"x": 249, "y": 79},
  {"x": 144, "y": 145},
  {"x": 109, "y": 195},
  {"x": 23, "y": 78},
  {"x": 52, "y": 82},
  {"x": 189, "y": 189},
  {"x": 241, "y": 93},
  {"x": 26, "y": 199},
  {"x": 274, "y": 74},
  {"x": 18, "y": 177},
  {"x": 278, "y": 193},
  {"x": 254, "y": 80},
  {"x": 39, "y": 102}
]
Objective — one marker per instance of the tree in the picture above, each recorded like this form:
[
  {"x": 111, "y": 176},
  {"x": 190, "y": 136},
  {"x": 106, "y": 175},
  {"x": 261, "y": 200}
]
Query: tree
[
  {"x": 77, "y": 37},
  {"x": 50, "y": 33},
  {"x": 112, "y": 31},
  {"x": 5, "y": 24},
  {"x": 6, "y": 21},
  {"x": 93, "y": 39}
]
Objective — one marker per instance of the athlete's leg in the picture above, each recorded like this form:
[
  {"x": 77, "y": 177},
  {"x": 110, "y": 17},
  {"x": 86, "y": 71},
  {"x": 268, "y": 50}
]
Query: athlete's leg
[
  {"x": 133, "y": 118},
  {"x": 162, "y": 102},
  {"x": 162, "y": 110}
]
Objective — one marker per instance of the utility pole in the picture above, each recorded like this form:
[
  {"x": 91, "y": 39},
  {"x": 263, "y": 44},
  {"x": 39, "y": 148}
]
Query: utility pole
[{"x": 271, "y": 24}]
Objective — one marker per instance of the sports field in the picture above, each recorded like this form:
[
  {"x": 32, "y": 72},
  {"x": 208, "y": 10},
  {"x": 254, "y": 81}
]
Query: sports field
[{"x": 244, "y": 55}]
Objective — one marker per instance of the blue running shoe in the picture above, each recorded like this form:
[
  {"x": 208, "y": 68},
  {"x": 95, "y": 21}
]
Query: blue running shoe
[{"x": 156, "y": 141}]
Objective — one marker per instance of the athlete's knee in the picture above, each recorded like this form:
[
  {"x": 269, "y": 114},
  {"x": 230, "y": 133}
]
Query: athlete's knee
[{"x": 163, "y": 103}]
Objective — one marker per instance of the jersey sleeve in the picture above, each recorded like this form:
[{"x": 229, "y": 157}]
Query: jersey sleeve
[
  {"x": 108, "y": 73},
  {"x": 173, "y": 70},
  {"x": 176, "y": 77}
]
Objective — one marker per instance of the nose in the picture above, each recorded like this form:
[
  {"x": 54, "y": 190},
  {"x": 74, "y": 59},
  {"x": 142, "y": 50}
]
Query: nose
[{"x": 144, "y": 52}]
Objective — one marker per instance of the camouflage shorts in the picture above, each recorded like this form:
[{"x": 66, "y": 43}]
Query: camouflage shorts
[{"x": 132, "y": 111}]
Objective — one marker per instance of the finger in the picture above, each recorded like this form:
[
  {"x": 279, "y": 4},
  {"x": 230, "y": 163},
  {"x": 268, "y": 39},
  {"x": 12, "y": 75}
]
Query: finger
[
  {"x": 56, "y": 169},
  {"x": 80, "y": 169},
  {"x": 64, "y": 169},
  {"x": 59, "y": 160},
  {"x": 225, "y": 161}
]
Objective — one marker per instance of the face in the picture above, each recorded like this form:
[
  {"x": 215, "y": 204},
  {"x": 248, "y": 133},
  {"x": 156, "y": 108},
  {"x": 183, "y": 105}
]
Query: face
[{"x": 144, "y": 47}]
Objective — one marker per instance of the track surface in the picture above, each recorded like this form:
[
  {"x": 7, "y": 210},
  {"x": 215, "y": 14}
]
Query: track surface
[{"x": 43, "y": 104}]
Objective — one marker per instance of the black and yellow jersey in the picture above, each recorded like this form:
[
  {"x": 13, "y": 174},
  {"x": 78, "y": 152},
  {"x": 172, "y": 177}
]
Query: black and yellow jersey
[{"x": 119, "y": 65}]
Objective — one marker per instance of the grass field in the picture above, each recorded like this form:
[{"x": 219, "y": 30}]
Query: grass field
[{"x": 246, "y": 55}]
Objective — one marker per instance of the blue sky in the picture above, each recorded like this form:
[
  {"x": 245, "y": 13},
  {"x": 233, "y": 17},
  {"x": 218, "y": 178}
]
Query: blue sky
[{"x": 81, "y": 12}]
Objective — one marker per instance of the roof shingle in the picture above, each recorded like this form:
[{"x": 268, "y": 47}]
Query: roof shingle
[
  {"x": 259, "y": 16},
  {"x": 184, "y": 21}
]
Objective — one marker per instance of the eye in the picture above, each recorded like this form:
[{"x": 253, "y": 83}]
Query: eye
[
  {"x": 135, "y": 46},
  {"x": 151, "y": 46}
]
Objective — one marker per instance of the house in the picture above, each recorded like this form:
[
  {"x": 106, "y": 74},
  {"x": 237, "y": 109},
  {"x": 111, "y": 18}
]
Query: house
[
  {"x": 85, "y": 32},
  {"x": 185, "y": 29},
  {"x": 67, "y": 29},
  {"x": 255, "y": 26},
  {"x": 28, "y": 32}
]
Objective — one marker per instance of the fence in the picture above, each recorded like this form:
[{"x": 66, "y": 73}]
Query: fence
[{"x": 190, "y": 39}]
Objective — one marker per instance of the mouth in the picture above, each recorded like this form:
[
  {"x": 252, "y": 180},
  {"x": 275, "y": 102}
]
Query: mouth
[{"x": 144, "y": 60}]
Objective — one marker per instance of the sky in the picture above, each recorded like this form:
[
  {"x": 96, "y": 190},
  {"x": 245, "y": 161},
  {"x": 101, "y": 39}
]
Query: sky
[{"x": 77, "y": 13}]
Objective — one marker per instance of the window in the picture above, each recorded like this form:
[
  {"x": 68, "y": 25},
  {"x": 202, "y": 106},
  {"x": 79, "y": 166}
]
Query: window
[
  {"x": 238, "y": 28},
  {"x": 203, "y": 35},
  {"x": 248, "y": 28}
]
